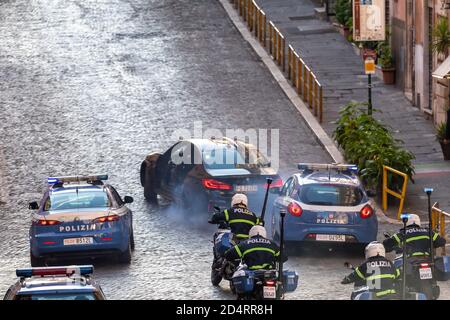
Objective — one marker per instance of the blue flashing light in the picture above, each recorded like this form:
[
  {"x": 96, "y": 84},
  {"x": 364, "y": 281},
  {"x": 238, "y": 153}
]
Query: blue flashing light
[
  {"x": 426, "y": 190},
  {"x": 52, "y": 181},
  {"x": 405, "y": 216},
  {"x": 49, "y": 271}
]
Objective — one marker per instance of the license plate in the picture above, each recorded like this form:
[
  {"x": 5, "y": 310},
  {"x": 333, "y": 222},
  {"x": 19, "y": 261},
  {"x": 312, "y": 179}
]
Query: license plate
[
  {"x": 77, "y": 241},
  {"x": 330, "y": 237},
  {"x": 425, "y": 273},
  {"x": 246, "y": 188},
  {"x": 269, "y": 292}
]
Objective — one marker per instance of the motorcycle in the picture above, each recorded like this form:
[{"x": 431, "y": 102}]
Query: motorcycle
[
  {"x": 221, "y": 268},
  {"x": 420, "y": 277}
]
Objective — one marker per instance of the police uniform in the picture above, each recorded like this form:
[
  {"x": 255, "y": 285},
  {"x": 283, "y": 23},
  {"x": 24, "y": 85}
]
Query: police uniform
[
  {"x": 240, "y": 220},
  {"x": 377, "y": 273},
  {"x": 257, "y": 253},
  {"x": 417, "y": 241}
]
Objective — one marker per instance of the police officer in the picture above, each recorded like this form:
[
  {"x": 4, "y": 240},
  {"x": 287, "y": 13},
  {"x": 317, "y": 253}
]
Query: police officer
[
  {"x": 238, "y": 217},
  {"x": 257, "y": 252},
  {"x": 417, "y": 239},
  {"x": 377, "y": 273}
]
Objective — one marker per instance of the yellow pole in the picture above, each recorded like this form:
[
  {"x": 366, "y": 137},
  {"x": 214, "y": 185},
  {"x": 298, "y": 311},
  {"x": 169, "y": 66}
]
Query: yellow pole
[
  {"x": 384, "y": 190},
  {"x": 321, "y": 105}
]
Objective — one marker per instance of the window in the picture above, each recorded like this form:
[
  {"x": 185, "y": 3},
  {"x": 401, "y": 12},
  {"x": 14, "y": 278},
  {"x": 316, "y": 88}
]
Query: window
[
  {"x": 287, "y": 188},
  {"x": 229, "y": 157},
  {"x": 77, "y": 198},
  {"x": 61, "y": 296},
  {"x": 330, "y": 195}
]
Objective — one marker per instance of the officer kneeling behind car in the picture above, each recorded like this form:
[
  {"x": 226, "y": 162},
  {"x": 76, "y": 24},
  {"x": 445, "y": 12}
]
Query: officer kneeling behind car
[
  {"x": 257, "y": 252},
  {"x": 377, "y": 273},
  {"x": 238, "y": 217}
]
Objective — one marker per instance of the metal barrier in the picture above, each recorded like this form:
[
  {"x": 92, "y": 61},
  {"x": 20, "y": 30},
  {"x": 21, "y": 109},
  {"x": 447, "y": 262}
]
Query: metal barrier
[
  {"x": 438, "y": 218},
  {"x": 306, "y": 83},
  {"x": 303, "y": 79},
  {"x": 387, "y": 191}
]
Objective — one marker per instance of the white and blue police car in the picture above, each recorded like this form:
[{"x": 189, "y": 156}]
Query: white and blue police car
[
  {"x": 326, "y": 203},
  {"x": 80, "y": 216},
  {"x": 55, "y": 283}
]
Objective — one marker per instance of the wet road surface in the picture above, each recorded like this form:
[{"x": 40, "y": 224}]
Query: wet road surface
[{"x": 93, "y": 86}]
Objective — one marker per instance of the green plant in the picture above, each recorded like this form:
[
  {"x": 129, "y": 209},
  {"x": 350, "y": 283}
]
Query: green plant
[
  {"x": 441, "y": 37},
  {"x": 370, "y": 145},
  {"x": 385, "y": 58},
  {"x": 344, "y": 11},
  {"x": 349, "y": 25},
  {"x": 441, "y": 132}
]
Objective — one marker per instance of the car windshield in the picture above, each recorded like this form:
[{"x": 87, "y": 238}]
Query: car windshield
[
  {"x": 60, "y": 296},
  {"x": 330, "y": 195},
  {"x": 229, "y": 157},
  {"x": 77, "y": 199}
]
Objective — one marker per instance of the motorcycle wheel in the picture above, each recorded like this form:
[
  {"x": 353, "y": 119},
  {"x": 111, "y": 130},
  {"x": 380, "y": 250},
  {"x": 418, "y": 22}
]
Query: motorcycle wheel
[{"x": 216, "y": 276}]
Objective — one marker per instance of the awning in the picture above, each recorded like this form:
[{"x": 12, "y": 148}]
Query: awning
[{"x": 443, "y": 71}]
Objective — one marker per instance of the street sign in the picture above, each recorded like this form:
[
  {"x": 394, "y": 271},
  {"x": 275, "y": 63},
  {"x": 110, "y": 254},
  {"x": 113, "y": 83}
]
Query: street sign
[
  {"x": 369, "y": 65},
  {"x": 369, "y": 22}
]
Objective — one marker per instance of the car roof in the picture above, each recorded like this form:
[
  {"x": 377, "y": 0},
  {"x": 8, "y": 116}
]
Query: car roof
[
  {"x": 53, "y": 284},
  {"x": 325, "y": 177},
  {"x": 202, "y": 143}
]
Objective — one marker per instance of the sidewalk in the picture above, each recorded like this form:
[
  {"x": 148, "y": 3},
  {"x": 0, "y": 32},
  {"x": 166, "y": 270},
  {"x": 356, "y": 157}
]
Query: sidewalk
[{"x": 341, "y": 72}]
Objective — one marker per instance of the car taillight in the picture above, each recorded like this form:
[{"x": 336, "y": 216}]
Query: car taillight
[
  {"x": 424, "y": 265},
  {"x": 107, "y": 218},
  {"x": 366, "y": 212},
  {"x": 294, "y": 209},
  {"x": 46, "y": 222},
  {"x": 215, "y": 184},
  {"x": 275, "y": 184},
  {"x": 270, "y": 283}
]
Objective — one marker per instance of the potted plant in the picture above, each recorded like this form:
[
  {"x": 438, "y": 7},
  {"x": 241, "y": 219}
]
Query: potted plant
[
  {"x": 343, "y": 14},
  {"x": 386, "y": 63},
  {"x": 441, "y": 38},
  {"x": 443, "y": 136}
]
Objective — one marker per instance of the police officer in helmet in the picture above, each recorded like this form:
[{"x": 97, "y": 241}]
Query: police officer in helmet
[
  {"x": 257, "y": 252},
  {"x": 417, "y": 239},
  {"x": 377, "y": 273},
  {"x": 238, "y": 217}
]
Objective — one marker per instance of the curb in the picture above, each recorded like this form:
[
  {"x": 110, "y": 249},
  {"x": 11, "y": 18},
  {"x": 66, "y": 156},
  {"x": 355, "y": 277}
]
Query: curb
[{"x": 292, "y": 95}]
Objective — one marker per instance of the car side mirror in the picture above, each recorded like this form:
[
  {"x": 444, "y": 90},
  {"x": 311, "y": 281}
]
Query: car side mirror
[
  {"x": 128, "y": 199},
  {"x": 33, "y": 205},
  {"x": 371, "y": 193}
]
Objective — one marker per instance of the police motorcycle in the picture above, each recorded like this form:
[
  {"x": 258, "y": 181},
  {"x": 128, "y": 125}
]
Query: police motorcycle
[
  {"x": 422, "y": 273},
  {"x": 222, "y": 241},
  {"x": 265, "y": 284}
]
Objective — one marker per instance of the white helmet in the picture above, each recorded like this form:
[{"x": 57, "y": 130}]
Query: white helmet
[
  {"x": 374, "y": 249},
  {"x": 413, "y": 219},
  {"x": 239, "y": 198},
  {"x": 257, "y": 230}
]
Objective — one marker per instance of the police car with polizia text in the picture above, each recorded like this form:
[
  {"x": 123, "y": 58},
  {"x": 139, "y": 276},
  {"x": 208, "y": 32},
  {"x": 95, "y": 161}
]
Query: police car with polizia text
[{"x": 81, "y": 216}]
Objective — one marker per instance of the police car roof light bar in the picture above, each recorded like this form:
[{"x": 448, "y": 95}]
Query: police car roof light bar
[
  {"x": 52, "y": 271},
  {"x": 324, "y": 166},
  {"x": 68, "y": 179}
]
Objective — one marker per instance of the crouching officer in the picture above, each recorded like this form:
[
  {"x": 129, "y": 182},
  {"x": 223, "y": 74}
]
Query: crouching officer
[
  {"x": 257, "y": 252},
  {"x": 417, "y": 240},
  {"x": 377, "y": 273},
  {"x": 238, "y": 217}
]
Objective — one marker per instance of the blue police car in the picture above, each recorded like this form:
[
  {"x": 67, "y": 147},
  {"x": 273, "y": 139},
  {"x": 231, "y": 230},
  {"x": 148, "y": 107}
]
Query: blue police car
[
  {"x": 80, "y": 216},
  {"x": 55, "y": 283},
  {"x": 325, "y": 204}
]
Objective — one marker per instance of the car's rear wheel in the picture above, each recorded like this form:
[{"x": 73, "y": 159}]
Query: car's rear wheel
[
  {"x": 36, "y": 262},
  {"x": 125, "y": 257},
  {"x": 147, "y": 183}
]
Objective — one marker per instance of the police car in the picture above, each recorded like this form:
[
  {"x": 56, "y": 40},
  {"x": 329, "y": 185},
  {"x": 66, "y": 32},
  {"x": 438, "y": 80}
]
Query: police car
[
  {"x": 80, "y": 216},
  {"x": 326, "y": 203},
  {"x": 55, "y": 283}
]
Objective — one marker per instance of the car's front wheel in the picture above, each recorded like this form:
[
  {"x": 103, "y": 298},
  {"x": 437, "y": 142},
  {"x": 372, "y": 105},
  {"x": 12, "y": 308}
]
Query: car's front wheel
[{"x": 147, "y": 183}]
